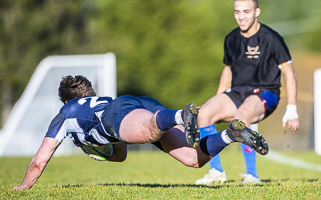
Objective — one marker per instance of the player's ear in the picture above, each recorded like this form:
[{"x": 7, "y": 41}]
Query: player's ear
[{"x": 257, "y": 12}]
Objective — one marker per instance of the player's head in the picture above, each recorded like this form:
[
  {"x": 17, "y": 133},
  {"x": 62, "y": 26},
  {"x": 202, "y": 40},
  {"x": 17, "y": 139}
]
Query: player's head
[
  {"x": 74, "y": 87},
  {"x": 246, "y": 13}
]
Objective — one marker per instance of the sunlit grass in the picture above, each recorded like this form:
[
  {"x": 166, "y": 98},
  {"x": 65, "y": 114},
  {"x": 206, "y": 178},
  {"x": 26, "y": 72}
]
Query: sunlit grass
[{"x": 155, "y": 175}]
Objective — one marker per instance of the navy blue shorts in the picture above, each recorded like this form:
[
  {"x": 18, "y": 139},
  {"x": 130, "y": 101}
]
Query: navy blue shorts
[
  {"x": 269, "y": 96},
  {"x": 121, "y": 106}
]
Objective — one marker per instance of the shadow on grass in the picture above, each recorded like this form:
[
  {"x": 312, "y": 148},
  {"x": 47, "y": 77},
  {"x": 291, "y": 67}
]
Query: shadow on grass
[{"x": 230, "y": 183}]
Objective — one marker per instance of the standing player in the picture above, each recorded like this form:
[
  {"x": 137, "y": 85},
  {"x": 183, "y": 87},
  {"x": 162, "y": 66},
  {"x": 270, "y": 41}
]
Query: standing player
[
  {"x": 254, "y": 56},
  {"x": 97, "y": 122}
]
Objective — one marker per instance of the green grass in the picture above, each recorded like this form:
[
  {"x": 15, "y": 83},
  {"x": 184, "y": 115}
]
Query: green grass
[{"x": 155, "y": 175}]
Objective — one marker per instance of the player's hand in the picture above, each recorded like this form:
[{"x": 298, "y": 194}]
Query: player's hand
[
  {"x": 291, "y": 116},
  {"x": 17, "y": 188}
]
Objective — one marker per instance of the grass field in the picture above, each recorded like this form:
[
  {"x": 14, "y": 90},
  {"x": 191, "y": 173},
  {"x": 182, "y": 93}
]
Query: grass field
[{"x": 155, "y": 175}]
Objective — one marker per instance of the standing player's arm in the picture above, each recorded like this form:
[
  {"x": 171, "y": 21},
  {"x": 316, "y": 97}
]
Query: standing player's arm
[
  {"x": 226, "y": 80},
  {"x": 290, "y": 115},
  {"x": 38, "y": 163}
]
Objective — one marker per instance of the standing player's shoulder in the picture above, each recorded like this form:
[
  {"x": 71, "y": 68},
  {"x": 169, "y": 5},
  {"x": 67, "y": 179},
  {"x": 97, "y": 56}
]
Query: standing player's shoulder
[
  {"x": 269, "y": 32},
  {"x": 233, "y": 33},
  {"x": 232, "y": 37}
]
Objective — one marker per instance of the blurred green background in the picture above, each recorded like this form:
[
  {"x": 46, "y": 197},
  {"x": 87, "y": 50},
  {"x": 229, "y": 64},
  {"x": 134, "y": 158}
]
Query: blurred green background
[{"x": 171, "y": 50}]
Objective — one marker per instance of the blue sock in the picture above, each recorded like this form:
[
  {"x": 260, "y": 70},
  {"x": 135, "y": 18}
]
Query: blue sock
[
  {"x": 165, "y": 119},
  {"x": 215, "y": 161},
  {"x": 212, "y": 144},
  {"x": 207, "y": 130},
  {"x": 249, "y": 155}
]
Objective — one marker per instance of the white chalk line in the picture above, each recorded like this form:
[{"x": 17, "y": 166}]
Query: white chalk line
[{"x": 294, "y": 162}]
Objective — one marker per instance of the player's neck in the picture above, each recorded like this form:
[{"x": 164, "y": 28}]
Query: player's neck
[{"x": 252, "y": 31}]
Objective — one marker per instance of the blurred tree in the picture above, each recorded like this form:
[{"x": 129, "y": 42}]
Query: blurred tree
[
  {"x": 170, "y": 50},
  {"x": 32, "y": 30}
]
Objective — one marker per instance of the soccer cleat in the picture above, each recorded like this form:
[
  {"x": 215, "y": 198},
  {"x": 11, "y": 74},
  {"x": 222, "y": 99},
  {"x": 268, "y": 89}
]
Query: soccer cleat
[
  {"x": 192, "y": 134},
  {"x": 238, "y": 132},
  {"x": 212, "y": 176},
  {"x": 250, "y": 179}
]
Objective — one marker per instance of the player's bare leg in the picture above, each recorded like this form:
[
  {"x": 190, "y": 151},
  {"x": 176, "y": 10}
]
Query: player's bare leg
[
  {"x": 251, "y": 111},
  {"x": 139, "y": 127},
  {"x": 173, "y": 142},
  {"x": 218, "y": 108}
]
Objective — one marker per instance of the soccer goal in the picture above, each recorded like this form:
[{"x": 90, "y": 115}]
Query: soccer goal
[
  {"x": 30, "y": 117},
  {"x": 317, "y": 111}
]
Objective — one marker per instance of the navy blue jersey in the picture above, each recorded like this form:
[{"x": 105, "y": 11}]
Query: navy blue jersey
[
  {"x": 79, "y": 119},
  {"x": 254, "y": 61}
]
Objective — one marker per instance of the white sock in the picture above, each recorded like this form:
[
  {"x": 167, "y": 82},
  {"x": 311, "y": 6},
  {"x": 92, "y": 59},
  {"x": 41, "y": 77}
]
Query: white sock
[
  {"x": 178, "y": 117},
  {"x": 225, "y": 137}
]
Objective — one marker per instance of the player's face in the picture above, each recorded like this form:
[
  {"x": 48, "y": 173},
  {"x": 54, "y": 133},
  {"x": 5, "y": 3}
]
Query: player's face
[{"x": 246, "y": 15}]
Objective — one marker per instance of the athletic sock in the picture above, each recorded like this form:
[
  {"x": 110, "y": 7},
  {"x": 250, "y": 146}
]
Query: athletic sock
[
  {"x": 207, "y": 130},
  {"x": 165, "y": 119},
  {"x": 179, "y": 117},
  {"x": 249, "y": 155},
  {"x": 215, "y": 163},
  {"x": 212, "y": 144}
]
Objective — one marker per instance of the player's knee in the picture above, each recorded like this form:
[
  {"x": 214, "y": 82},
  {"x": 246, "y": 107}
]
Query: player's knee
[
  {"x": 154, "y": 134},
  {"x": 204, "y": 116},
  {"x": 244, "y": 116},
  {"x": 153, "y": 138}
]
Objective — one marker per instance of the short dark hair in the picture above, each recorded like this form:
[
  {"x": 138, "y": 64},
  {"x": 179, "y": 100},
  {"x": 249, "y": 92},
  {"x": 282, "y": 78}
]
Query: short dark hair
[
  {"x": 255, "y": 2},
  {"x": 74, "y": 87}
]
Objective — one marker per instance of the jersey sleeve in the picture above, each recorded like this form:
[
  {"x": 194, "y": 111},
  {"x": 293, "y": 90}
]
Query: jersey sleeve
[
  {"x": 57, "y": 128},
  {"x": 280, "y": 50},
  {"x": 227, "y": 56}
]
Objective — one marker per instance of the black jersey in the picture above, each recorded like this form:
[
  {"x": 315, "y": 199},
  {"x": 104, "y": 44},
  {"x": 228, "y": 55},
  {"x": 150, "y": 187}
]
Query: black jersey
[{"x": 254, "y": 61}]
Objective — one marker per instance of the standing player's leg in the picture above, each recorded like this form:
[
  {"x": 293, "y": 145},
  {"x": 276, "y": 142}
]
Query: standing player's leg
[
  {"x": 216, "y": 172},
  {"x": 249, "y": 156},
  {"x": 252, "y": 110},
  {"x": 217, "y": 108}
]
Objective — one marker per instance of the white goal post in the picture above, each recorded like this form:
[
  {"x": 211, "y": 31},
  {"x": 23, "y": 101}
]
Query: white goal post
[
  {"x": 317, "y": 111},
  {"x": 30, "y": 117}
]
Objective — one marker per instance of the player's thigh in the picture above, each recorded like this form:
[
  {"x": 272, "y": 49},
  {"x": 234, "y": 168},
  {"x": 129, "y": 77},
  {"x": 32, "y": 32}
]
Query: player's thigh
[
  {"x": 218, "y": 108},
  {"x": 136, "y": 126},
  {"x": 252, "y": 110}
]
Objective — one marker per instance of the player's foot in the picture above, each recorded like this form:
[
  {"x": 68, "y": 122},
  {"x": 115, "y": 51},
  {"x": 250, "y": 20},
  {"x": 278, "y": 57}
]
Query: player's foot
[
  {"x": 238, "y": 132},
  {"x": 212, "y": 176},
  {"x": 250, "y": 179},
  {"x": 192, "y": 133}
]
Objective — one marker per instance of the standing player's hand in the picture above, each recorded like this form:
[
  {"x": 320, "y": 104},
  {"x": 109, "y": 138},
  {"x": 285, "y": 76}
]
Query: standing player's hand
[{"x": 291, "y": 116}]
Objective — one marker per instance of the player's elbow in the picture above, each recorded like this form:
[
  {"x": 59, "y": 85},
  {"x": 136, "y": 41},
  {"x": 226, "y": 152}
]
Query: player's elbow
[{"x": 38, "y": 165}]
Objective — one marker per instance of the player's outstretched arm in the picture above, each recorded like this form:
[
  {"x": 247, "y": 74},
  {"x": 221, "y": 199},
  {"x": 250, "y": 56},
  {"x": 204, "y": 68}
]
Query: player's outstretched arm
[
  {"x": 38, "y": 163},
  {"x": 291, "y": 116},
  {"x": 225, "y": 80}
]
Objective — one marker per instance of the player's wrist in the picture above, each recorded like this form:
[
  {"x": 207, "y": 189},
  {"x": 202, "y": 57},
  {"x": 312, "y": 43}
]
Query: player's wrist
[
  {"x": 290, "y": 113},
  {"x": 291, "y": 108}
]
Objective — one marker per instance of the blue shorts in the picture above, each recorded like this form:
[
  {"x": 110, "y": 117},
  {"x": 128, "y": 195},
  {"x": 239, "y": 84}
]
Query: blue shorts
[
  {"x": 269, "y": 96},
  {"x": 121, "y": 106}
]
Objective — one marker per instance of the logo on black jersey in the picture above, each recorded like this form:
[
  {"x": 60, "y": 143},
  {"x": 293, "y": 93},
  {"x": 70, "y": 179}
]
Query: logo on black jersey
[{"x": 252, "y": 52}]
